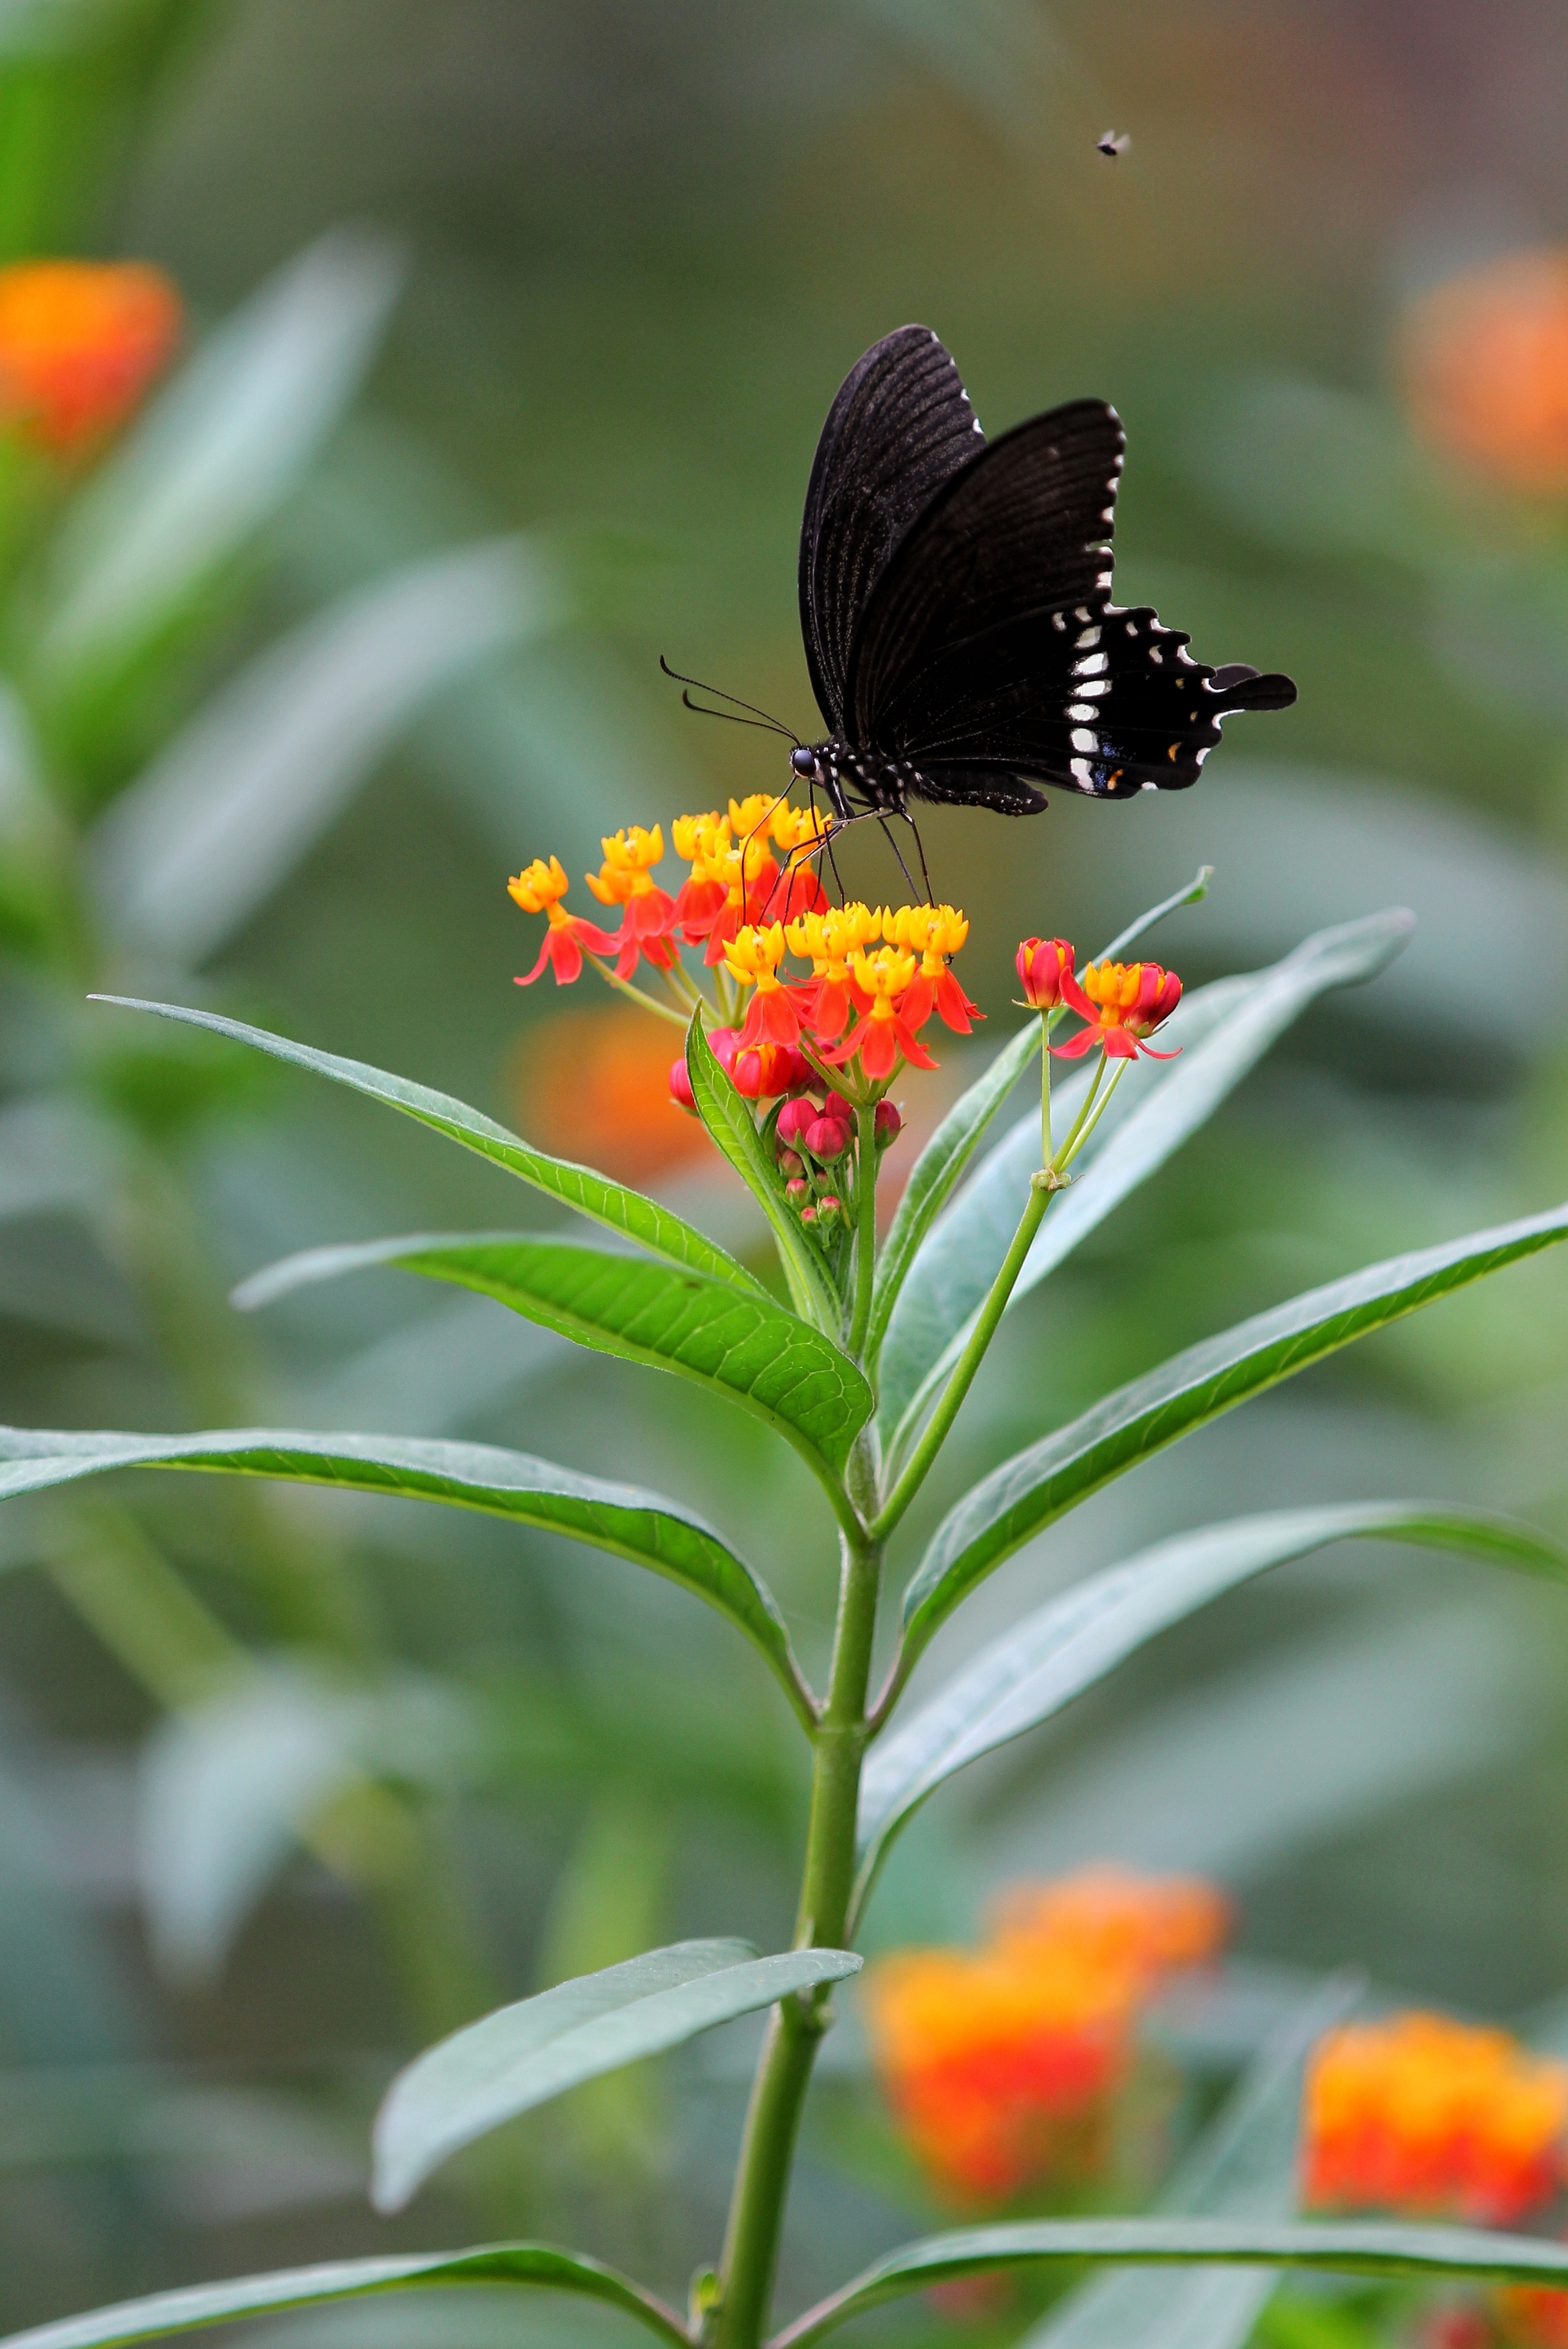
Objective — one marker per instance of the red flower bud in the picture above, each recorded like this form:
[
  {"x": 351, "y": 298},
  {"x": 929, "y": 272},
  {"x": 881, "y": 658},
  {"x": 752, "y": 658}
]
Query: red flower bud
[
  {"x": 808, "y": 1214},
  {"x": 794, "y": 1117},
  {"x": 837, "y": 1106},
  {"x": 797, "y": 1190},
  {"x": 724, "y": 1043},
  {"x": 827, "y": 1137},
  {"x": 680, "y": 1086},
  {"x": 829, "y": 1208},
  {"x": 748, "y": 1075},
  {"x": 790, "y": 1163},
  {"x": 1042, "y": 964},
  {"x": 889, "y": 1124},
  {"x": 788, "y": 1069}
]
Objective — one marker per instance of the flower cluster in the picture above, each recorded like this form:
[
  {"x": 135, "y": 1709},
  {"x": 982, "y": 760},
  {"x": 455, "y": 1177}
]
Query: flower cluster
[
  {"x": 1122, "y": 1002},
  {"x": 1485, "y": 360},
  {"x": 1433, "y": 2118},
  {"x": 80, "y": 341},
  {"x": 1001, "y": 2064}
]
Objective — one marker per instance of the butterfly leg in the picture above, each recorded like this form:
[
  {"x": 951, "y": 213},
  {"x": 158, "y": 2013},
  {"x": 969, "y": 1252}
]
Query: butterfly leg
[
  {"x": 919, "y": 849},
  {"x": 909, "y": 878}
]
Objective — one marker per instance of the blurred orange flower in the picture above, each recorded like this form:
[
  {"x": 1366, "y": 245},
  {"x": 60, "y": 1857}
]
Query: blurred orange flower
[
  {"x": 594, "y": 1085},
  {"x": 1001, "y": 2064},
  {"x": 1423, "y": 2115},
  {"x": 1534, "y": 2316},
  {"x": 80, "y": 341},
  {"x": 1485, "y": 365}
]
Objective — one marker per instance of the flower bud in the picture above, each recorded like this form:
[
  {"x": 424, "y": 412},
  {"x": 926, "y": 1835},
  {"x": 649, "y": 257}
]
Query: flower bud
[
  {"x": 788, "y": 1069},
  {"x": 829, "y": 1208},
  {"x": 797, "y": 1191},
  {"x": 680, "y": 1087},
  {"x": 808, "y": 1214},
  {"x": 837, "y": 1106},
  {"x": 827, "y": 1137},
  {"x": 1041, "y": 965},
  {"x": 889, "y": 1124},
  {"x": 794, "y": 1118},
  {"x": 790, "y": 1163},
  {"x": 748, "y": 1075},
  {"x": 724, "y": 1043}
]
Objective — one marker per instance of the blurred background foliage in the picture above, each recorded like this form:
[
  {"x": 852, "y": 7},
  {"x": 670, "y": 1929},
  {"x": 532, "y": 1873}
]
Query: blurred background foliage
[{"x": 510, "y": 327}]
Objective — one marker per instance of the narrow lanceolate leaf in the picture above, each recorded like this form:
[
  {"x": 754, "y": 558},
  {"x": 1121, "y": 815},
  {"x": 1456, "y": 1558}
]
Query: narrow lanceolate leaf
[
  {"x": 729, "y": 1122},
  {"x": 938, "y": 1170},
  {"x": 621, "y": 1518},
  {"x": 1344, "y": 2249},
  {"x": 1223, "y": 1031},
  {"x": 523, "y": 2055},
  {"x": 1242, "y": 2167},
  {"x": 1053, "y": 1475},
  {"x": 740, "y": 1343},
  {"x": 195, "y": 2305},
  {"x": 1076, "y": 1638},
  {"x": 591, "y": 1194}
]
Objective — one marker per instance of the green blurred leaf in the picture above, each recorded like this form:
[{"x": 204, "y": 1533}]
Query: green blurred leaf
[
  {"x": 213, "y": 456},
  {"x": 621, "y": 1518},
  {"x": 733, "y": 1130},
  {"x": 590, "y": 1193},
  {"x": 185, "y": 857},
  {"x": 1242, "y": 2167},
  {"x": 218, "y": 2303},
  {"x": 525, "y": 2054},
  {"x": 1348, "y": 2249},
  {"x": 1052, "y": 1476},
  {"x": 1072, "y": 1642},
  {"x": 743, "y": 1346},
  {"x": 1223, "y": 1033},
  {"x": 937, "y": 1170}
]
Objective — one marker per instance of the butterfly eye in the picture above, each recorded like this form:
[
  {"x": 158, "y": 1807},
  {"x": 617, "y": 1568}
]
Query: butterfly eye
[{"x": 804, "y": 764}]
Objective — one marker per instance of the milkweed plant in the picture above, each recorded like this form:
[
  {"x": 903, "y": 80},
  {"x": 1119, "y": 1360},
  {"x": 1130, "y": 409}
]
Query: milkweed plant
[{"x": 797, "y": 1019}]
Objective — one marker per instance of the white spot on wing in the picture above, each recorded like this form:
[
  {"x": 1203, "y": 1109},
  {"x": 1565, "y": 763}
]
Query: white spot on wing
[
  {"x": 1083, "y": 739},
  {"x": 1089, "y": 636},
  {"x": 1078, "y": 770},
  {"x": 1092, "y": 663}
]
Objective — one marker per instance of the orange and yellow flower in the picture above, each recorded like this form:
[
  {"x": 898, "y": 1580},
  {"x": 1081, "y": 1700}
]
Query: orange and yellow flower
[
  {"x": 1001, "y": 2065},
  {"x": 626, "y": 879},
  {"x": 1124, "y": 1003},
  {"x": 934, "y": 933},
  {"x": 80, "y": 342},
  {"x": 538, "y": 889},
  {"x": 1433, "y": 2118},
  {"x": 1485, "y": 363}
]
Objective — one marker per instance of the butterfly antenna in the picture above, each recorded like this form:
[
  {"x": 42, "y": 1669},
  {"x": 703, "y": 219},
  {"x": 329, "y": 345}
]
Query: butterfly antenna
[
  {"x": 762, "y": 725},
  {"x": 719, "y": 695}
]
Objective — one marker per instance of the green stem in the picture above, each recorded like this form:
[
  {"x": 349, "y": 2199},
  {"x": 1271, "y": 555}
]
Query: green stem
[
  {"x": 640, "y": 994},
  {"x": 797, "y": 2024},
  {"x": 1042, "y": 1188},
  {"x": 865, "y": 1227}
]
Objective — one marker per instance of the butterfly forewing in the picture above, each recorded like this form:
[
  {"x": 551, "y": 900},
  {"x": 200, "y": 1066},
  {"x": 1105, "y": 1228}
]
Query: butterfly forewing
[
  {"x": 900, "y": 427},
  {"x": 1021, "y": 529}
]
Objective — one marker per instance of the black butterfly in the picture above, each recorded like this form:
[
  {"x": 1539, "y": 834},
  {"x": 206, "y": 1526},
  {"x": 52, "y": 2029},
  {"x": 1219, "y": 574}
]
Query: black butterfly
[{"x": 955, "y": 605}]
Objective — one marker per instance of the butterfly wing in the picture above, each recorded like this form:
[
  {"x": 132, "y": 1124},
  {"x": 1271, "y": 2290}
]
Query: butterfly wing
[
  {"x": 990, "y": 645},
  {"x": 901, "y": 426}
]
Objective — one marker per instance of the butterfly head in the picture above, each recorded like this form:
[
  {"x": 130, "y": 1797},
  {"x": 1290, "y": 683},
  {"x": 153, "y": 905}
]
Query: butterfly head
[{"x": 806, "y": 765}]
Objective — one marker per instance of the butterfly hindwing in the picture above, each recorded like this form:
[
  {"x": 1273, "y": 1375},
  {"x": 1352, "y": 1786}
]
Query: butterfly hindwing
[
  {"x": 1097, "y": 700},
  {"x": 899, "y": 426}
]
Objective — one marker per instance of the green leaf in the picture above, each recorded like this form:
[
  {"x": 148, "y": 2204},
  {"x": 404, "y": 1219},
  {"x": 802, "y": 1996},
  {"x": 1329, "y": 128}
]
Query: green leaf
[
  {"x": 937, "y": 1171},
  {"x": 591, "y": 1194},
  {"x": 621, "y": 1518},
  {"x": 734, "y": 1133},
  {"x": 1052, "y": 1476},
  {"x": 1345, "y": 2249},
  {"x": 1194, "y": 890},
  {"x": 727, "y": 1339},
  {"x": 1223, "y": 1031},
  {"x": 214, "y": 454},
  {"x": 1076, "y": 1638},
  {"x": 228, "y": 807},
  {"x": 194, "y": 2306},
  {"x": 1242, "y": 2167},
  {"x": 523, "y": 2055}
]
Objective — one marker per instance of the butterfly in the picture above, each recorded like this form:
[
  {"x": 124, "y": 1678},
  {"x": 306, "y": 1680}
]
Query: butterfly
[{"x": 955, "y": 606}]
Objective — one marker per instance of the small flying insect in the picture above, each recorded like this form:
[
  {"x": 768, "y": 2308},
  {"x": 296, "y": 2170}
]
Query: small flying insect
[{"x": 1114, "y": 143}]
